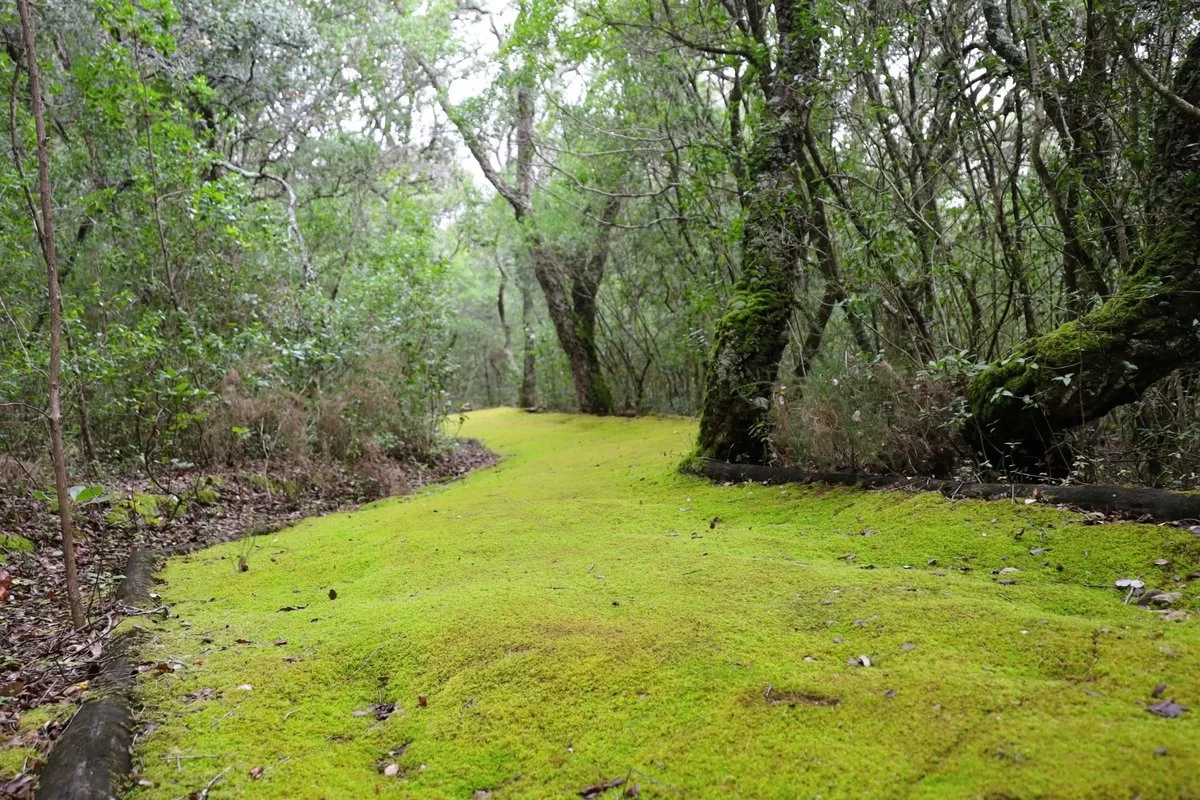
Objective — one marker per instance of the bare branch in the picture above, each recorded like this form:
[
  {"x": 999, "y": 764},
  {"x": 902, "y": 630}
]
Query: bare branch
[{"x": 310, "y": 274}]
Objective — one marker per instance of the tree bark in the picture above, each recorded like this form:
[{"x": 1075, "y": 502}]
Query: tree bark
[
  {"x": 528, "y": 394},
  {"x": 573, "y": 313},
  {"x": 1021, "y": 405},
  {"x": 45, "y": 196},
  {"x": 752, "y": 335}
]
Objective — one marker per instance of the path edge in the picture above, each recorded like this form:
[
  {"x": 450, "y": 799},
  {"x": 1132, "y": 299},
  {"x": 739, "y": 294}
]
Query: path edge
[
  {"x": 1161, "y": 505},
  {"x": 93, "y": 758}
]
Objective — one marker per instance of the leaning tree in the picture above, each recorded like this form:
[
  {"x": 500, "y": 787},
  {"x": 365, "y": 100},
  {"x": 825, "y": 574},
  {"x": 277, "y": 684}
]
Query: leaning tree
[{"x": 1021, "y": 405}]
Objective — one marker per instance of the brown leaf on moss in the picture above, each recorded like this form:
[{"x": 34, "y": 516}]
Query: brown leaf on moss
[{"x": 1167, "y": 708}]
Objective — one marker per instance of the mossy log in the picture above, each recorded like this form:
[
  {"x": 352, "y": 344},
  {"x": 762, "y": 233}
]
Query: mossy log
[
  {"x": 1021, "y": 405},
  {"x": 1132, "y": 502}
]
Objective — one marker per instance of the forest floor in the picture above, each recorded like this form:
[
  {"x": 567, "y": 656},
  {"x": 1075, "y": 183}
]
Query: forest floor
[
  {"x": 46, "y": 664},
  {"x": 583, "y": 620}
]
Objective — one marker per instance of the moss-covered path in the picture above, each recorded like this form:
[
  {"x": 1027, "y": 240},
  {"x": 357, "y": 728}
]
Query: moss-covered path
[{"x": 575, "y": 615}]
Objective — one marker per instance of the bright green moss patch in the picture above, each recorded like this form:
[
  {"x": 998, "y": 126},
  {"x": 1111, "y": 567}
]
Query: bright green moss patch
[
  {"x": 10, "y": 542},
  {"x": 575, "y": 613},
  {"x": 22, "y": 747}
]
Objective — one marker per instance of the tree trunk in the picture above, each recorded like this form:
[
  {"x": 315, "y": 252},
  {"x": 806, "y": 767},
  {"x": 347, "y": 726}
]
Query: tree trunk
[
  {"x": 574, "y": 318},
  {"x": 46, "y": 230},
  {"x": 752, "y": 335},
  {"x": 1020, "y": 406},
  {"x": 528, "y": 395}
]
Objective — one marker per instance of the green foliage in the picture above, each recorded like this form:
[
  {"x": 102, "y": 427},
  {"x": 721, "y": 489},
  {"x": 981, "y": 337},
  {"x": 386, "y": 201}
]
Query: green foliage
[{"x": 187, "y": 311}]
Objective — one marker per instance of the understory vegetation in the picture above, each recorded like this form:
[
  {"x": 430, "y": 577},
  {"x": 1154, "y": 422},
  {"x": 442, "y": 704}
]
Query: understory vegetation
[{"x": 306, "y": 230}]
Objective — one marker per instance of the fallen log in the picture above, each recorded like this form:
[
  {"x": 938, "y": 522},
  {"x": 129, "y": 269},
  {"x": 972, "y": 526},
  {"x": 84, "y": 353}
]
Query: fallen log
[
  {"x": 1158, "y": 504},
  {"x": 92, "y": 759}
]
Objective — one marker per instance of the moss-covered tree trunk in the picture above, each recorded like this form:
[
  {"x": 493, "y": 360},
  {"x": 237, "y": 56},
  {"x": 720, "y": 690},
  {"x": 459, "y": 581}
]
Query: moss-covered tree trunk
[
  {"x": 1021, "y": 405},
  {"x": 573, "y": 312},
  {"x": 752, "y": 334}
]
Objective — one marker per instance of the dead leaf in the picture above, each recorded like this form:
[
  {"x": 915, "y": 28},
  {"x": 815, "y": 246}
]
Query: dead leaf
[
  {"x": 256, "y": 773},
  {"x": 280, "y": 642},
  {"x": 597, "y": 789},
  {"x": 1167, "y": 708},
  {"x": 294, "y": 608},
  {"x": 333, "y": 594},
  {"x": 422, "y": 701},
  {"x": 391, "y": 770},
  {"x": 775, "y": 697}
]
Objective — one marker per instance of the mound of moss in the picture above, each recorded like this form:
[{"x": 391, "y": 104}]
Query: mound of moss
[{"x": 583, "y": 613}]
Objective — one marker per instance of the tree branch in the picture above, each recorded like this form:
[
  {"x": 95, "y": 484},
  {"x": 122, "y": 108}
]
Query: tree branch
[{"x": 310, "y": 275}]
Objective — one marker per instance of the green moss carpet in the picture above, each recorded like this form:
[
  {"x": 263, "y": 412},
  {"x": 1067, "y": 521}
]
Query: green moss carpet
[{"x": 582, "y": 613}]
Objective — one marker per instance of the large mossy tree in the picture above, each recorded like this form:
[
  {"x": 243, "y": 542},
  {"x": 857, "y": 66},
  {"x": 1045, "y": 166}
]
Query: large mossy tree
[
  {"x": 1021, "y": 405},
  {"x": 753, "y": 332}
]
